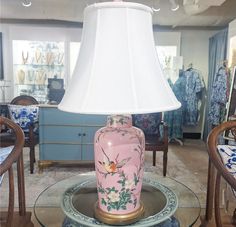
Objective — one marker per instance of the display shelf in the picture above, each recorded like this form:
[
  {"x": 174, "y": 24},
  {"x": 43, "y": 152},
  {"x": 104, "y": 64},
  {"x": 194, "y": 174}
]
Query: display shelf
[{"x": 34, "y": 62}]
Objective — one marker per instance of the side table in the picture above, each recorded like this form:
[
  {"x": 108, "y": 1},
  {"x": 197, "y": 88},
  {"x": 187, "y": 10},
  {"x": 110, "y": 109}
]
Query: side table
[{"x": 48, "y": 211}]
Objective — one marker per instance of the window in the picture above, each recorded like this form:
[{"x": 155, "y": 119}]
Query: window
[{"x": 170, "y": 62}]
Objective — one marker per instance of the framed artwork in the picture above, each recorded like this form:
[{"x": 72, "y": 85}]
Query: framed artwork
[
  {"x": 1, "y": 59},
  {"x": 231, "y": 109}
]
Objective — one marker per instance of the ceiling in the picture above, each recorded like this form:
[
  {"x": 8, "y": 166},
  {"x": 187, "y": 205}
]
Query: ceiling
[{"x": 213, "y": 13}]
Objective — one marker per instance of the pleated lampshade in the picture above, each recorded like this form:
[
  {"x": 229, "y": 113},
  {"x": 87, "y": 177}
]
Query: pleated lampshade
[{"x": 118, "y": 71}]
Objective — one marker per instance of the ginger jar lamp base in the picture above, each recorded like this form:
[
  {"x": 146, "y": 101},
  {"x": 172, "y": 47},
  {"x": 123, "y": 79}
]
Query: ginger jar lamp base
[{"x": 119, "y": 164}]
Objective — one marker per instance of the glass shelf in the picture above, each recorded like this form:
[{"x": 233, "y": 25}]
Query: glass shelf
[
  {"x": 37, "y": 65},
  {"x": 31, "y": 84}
]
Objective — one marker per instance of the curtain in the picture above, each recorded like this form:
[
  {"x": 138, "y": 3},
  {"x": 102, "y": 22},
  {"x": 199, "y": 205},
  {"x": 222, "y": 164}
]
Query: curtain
[{"x": 217, "y": 53}]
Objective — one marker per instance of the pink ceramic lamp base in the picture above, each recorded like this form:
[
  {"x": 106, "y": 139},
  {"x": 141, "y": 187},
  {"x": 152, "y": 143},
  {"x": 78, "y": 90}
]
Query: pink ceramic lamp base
[{"x": 119, "y": 159}]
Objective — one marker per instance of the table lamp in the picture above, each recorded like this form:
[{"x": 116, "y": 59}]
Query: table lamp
[{"x": 118, "y": 74}]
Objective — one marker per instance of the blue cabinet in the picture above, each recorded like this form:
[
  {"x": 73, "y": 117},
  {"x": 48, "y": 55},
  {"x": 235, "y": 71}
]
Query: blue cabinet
[{"x": 66, "y": 137}]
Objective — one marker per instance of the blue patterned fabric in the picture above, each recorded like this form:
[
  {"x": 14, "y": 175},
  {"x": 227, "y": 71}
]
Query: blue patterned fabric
[
  {"x": 217, "y": 53},
  {"x": 4, "y": 152},
  {"x": 149, "y": 123},
  {"x": 187, "y": 90},
  {"x": 174, "y": 119},
  {"x": 193, "y": 87},
  {"x": 24, "y": 116},
  {"x": 219, "y": 97},
  {"x": 228, "y": 156}
]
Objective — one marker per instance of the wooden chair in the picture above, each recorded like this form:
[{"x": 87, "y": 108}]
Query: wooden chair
[
  {"x": 156, "y": 135},
  {"x": 217, "y": 170},
  {"x": 11, "y": 218},
  {"x": 31, "y": 138}
]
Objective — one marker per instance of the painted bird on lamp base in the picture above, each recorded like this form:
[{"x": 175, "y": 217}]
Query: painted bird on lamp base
[{"x": 112, "y": 167}]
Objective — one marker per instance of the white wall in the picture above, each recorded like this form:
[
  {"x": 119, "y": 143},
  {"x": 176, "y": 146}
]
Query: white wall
[
  {"x": 168, "y": 39},
  {"x": 193, "y": 45},
  {"x": 195, "y": 49}
]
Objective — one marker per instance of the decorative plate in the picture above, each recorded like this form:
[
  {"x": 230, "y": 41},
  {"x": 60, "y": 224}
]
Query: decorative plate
[{"x": 78, "y": 202}]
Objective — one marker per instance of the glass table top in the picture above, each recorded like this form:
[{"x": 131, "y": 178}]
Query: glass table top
[{"x": 48, "y": 211}]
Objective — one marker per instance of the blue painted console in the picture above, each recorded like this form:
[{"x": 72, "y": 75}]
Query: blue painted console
[{"x": 66, "y": 137}]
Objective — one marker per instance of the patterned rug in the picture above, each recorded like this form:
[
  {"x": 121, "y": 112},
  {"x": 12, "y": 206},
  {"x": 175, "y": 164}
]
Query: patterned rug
[{"x": 37, "y": 182}]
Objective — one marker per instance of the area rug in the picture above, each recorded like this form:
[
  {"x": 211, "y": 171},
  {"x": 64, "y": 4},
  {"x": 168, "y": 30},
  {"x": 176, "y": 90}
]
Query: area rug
[{"x": 37, "y": 182}]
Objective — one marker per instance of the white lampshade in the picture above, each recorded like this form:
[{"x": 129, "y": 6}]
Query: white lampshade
[{"x": 118, "y": 71}]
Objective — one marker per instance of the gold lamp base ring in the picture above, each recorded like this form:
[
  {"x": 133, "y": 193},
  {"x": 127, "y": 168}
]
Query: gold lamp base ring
[{"x": 119, "y": 219}]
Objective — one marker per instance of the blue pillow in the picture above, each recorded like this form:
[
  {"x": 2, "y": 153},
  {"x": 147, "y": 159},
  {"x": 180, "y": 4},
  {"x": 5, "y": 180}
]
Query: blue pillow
[{"x": 24, "y": 116}]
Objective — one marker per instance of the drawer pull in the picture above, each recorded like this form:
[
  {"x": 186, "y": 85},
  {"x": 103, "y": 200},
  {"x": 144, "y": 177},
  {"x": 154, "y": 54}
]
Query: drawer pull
[
  {"x": 79, "y": 134},
  {"x": 84, "y": 134}
]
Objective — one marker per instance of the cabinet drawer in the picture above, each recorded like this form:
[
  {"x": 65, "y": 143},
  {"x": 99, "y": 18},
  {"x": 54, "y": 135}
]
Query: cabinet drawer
[
  {"x": 60, "y": 152},
  {"x": 56, "y": 116},
  {"x": 67, "y": 134}
]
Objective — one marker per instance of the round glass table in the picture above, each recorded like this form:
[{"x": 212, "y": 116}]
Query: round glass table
[{"x": 49, "y": 212}]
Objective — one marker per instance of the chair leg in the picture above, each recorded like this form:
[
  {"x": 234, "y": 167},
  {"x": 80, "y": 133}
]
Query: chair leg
[
  {"x": 11, "y": 198},
  {"x": 165, "y": 158},
  {"x": 217, "y": 202},
  {"x": 32, "y": 158},
  {"x": 154, "y": 158},
  {"x": 210, "y": 192},
  {"x": 21, "y": 185},
  {"x": 234, "y": 217}
]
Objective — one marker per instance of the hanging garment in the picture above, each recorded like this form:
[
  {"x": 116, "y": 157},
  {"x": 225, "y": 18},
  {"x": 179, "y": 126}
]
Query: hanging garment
[
  {"x": 174, "y": 119},
  {"x": 219, "y": 97},
  {"x": 193, "y": 88}
]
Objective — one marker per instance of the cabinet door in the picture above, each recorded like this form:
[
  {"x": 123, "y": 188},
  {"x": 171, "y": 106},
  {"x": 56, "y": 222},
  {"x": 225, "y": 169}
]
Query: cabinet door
[
  {"x": 61, "y": 134},
  {"x": 60, "y": 143},
  {"x": 88, "y": 133}
]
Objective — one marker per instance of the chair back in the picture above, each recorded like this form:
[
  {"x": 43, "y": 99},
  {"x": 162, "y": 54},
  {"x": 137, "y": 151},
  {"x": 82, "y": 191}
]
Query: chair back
[
  {"x": 6, "y": 165},
  {"x": 24, "y": 111},
  {"x": 24, "y": 100},
  {"x": 222, "y": 164},
  {"x": 148, "y": 123},
  {"x": 214, "y": 155},
  {"x": 156, "y": 134}
]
